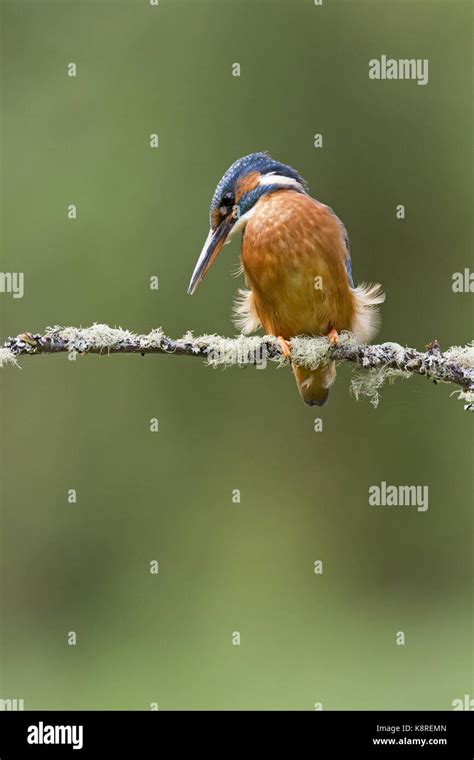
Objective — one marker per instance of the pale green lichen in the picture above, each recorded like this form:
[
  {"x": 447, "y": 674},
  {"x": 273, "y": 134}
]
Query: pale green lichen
[
  {"x": 241, "y": 351},
  {"x": 152, "y": 339},
  {"x": 463, "y": 355},
  {"x": 103, "y": 337},
  {"x": 467, "y": 396},
  {"x": 314, "y": 352},
  {"x": 369, "y": 382},
  {"x": 7, "y": 357},
  {"x": 96, "y": 336},
  {"x": 188, "y": 337},
  {"x": 395, "y": 349}
]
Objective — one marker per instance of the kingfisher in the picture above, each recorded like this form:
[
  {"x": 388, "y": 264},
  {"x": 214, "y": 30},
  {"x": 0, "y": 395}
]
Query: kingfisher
[{"x": 296, "y": 260}]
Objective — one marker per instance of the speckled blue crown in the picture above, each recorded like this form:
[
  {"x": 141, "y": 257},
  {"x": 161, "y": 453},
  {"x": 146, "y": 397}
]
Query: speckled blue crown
[{"x": 254, "y": 162}]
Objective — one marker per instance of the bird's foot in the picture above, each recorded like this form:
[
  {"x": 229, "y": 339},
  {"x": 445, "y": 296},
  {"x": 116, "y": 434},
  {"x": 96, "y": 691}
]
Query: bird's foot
[
  {"x": 29, "y": 338},
  {"x": 333, "y": 336},
  {"x": 284, "y": 346}
]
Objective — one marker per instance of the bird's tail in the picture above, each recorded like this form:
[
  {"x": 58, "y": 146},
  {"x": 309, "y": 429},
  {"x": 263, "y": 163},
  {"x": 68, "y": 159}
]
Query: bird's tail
[
  {"x": 366, "y": 322},
  {"x": 314, "y": 384}
]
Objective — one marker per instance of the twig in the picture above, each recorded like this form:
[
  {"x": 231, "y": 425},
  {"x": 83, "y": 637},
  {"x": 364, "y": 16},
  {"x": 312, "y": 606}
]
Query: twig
[{"x": 382, "y": 362}]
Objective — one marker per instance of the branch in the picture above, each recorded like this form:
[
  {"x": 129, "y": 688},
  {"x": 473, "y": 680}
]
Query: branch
[{"x": 378, "y": 362}]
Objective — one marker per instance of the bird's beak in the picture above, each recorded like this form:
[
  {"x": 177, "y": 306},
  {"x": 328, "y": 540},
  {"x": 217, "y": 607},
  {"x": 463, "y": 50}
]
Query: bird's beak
[{"x": 214, "y": 242}]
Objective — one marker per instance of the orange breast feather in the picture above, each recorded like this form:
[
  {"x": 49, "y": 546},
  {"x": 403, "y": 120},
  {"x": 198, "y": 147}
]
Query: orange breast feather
[{"x": 293, "y": 255}]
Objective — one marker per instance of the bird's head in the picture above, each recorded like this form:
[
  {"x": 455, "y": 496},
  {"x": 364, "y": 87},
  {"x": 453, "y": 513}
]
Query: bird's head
[{"x": 244, "y": 183}]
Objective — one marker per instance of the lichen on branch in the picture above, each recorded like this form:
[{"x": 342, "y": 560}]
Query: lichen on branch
[{"x": 375, "y": 364}]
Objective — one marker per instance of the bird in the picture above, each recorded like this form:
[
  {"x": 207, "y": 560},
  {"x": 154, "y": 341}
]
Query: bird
[{"x": 296, "y": 259}]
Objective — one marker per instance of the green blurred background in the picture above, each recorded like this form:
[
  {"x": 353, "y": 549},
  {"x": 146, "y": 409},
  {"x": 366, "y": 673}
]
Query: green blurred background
[{"x": 141, "y": 496}]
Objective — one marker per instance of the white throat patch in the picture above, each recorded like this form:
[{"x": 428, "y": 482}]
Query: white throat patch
[
  {"x": 280, "y": 179},
  {"x": 264, "y": 181},
  {"x": 240, "y": 225}
]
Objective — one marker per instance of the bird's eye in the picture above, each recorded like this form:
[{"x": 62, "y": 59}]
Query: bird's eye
[{"x": 227, "y": 202}]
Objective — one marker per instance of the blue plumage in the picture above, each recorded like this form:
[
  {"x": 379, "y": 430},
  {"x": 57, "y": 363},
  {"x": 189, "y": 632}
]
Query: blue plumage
[
  {"x": 249, "y": 199},
  {"x": 254, "y": 162}
]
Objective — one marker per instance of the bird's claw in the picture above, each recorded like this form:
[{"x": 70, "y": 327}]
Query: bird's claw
[
  {"x": 284, "y": 347},
  {"x": 28, "y": 338}
]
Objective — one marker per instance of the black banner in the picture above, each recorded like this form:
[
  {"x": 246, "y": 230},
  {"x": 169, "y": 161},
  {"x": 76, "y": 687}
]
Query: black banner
[{"x": 106, "y": 734}]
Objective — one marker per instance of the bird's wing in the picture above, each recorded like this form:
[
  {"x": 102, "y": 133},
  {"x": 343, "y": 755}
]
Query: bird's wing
[{"x": 347, "y": 261}]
